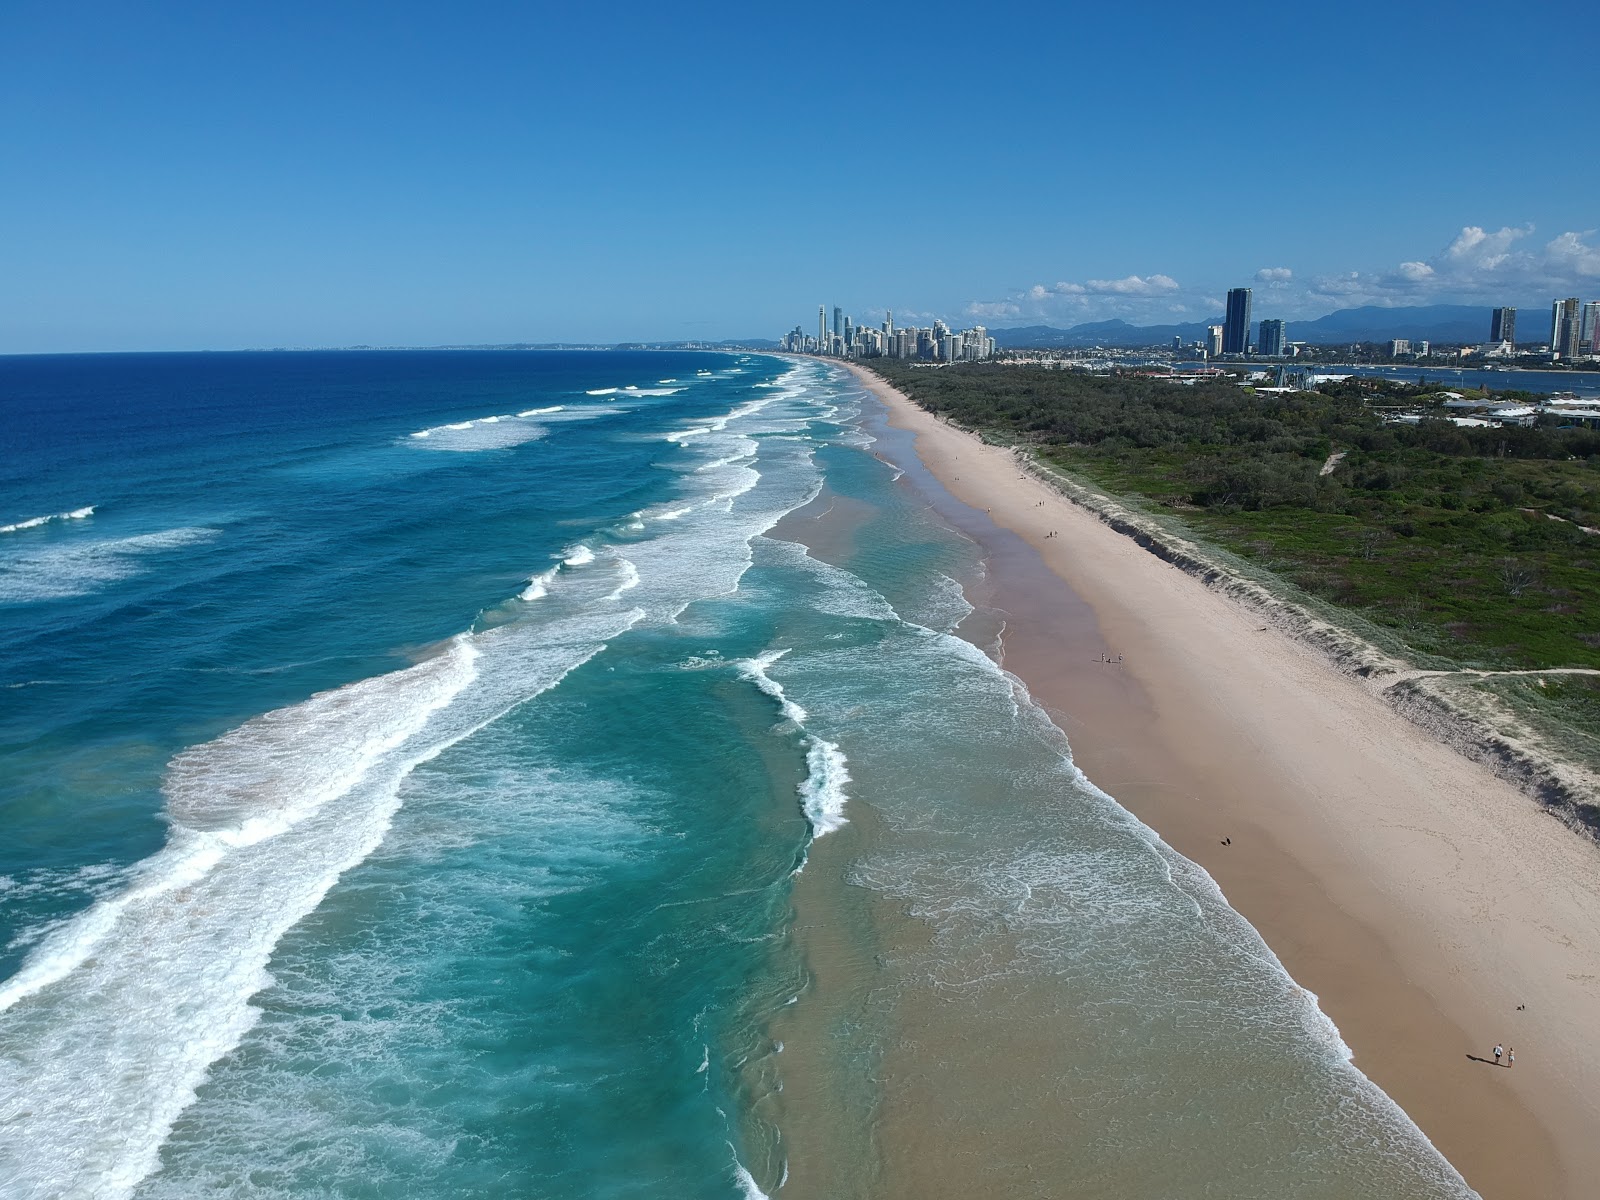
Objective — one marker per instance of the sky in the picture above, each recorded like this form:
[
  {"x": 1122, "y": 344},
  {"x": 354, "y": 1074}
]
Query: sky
[{"x": 212, "y": 176}]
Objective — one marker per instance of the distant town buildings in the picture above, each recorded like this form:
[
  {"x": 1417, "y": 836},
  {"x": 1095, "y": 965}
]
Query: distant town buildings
[
  {"x": 1574, "y": 336},
  {"x": 1236, "y": 323},
  {"x": 934, "y": 343}
]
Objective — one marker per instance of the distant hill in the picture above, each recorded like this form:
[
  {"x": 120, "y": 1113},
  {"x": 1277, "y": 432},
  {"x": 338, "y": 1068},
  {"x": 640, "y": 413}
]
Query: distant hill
[{"x": 1371, "y": 323}]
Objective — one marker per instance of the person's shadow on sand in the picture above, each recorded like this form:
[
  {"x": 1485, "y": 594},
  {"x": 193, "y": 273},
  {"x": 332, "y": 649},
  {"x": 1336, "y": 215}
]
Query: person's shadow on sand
[{"x": 1488, "y": 1062}]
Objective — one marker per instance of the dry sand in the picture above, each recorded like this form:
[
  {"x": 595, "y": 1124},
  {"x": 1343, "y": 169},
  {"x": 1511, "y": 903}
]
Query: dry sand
[{"x": 1422, "y": 899}]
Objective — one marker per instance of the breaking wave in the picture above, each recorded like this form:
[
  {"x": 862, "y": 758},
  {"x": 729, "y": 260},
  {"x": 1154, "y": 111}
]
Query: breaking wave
[{"x": 76, "y": 514}]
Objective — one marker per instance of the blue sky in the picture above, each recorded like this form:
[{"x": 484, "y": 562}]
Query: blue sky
[{"x": 207, "y": 176}]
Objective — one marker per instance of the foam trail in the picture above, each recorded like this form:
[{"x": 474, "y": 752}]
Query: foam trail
[
  {"x": 630, "y": 579},
  {"x": 32, "y": 571},
  {"x": 822, "y": 792},
  {"x": 539, "y": 586},
  {"x": 755, "y": 670},
  {"x": 115, "y": 1018},
  {"x": 496, "y": 432},
  {"x": 747, "y": 1184},
  {"x": 822, "y": 795},
  {"x": 603, "y": 392},
  {"x": 76, "y": 514}
]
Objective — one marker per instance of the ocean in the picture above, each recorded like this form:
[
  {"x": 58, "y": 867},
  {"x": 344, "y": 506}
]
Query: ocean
[{"x": 579, "y": 774}]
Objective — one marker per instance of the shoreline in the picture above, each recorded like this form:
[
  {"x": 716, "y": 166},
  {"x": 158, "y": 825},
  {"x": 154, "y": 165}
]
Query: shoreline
[{"x": 1418, "y": 895}]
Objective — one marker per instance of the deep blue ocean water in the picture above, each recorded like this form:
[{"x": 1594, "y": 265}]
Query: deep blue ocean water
[{"x": 408, "y": 762}]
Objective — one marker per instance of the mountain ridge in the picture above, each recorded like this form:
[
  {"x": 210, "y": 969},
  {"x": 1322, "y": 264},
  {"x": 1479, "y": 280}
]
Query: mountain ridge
[{"x": 1462, "y": 323}]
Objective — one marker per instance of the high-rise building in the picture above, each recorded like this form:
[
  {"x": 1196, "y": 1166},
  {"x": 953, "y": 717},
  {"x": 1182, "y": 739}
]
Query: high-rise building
[
  {"x": 1589, "y": 329},
  {"x": 1565, "y": 327},
  {"x": 1213, "y": 340},
  {"x": 849, "y": 334},
  {"x": 822, "y": 326},
  {"x": 1236, "y": 325},
  {"x": 1503, "y": 325},
  {"x": 1271, "y": 342},
  {"x": 1399, "y": 346},
  {"x": 888, "y": 323},
  {"x": 838, "y": 321}
]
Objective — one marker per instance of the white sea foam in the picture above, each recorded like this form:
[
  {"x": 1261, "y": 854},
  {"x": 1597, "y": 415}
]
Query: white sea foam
[
  {"x": 822, "y": 792},
  {"x": 31, "y": 572},
  {"x": 629, "y": 581},
  {"x": 822, "y": 795},
  {"x": 498, "y": 431},
  {"x": 603, "y": 391},
  {"x": 639, "y": 391},
  {"x": 76, "y": 514},
  {"x": 578, "y": 556},
  {"x": 539, "y": 586},
  {"x": 114, "y": 1019},
  {"x": 743, "y": 454},
  {"x": 755, "y": 670},
  {"x": 747, "y": 1184},
  {"x": 683, "y": 435}
]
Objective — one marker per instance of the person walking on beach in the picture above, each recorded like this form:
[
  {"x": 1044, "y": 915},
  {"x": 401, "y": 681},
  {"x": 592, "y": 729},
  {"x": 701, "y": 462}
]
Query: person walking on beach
[
  {"x": 1511, "y": 1057},
  {"x": 1498, "y": 1052}
]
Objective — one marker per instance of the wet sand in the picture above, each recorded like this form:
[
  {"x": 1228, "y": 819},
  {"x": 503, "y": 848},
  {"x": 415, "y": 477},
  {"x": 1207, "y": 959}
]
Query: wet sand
[{"x": 1420, "y": 897}]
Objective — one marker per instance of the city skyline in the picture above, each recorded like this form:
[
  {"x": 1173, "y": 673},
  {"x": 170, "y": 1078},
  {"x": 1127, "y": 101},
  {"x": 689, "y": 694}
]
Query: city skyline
[
  {"x": 1574, "y": 336},
  {"x": 849, "y": 339}
]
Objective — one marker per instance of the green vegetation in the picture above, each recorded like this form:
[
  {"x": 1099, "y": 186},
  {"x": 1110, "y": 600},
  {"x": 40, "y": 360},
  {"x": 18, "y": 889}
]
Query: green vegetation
[{"x": 1470, "y": 544}]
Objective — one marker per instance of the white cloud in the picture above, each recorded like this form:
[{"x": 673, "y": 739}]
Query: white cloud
[
  {"x": 1150, "y": 285},
  {"x": 990, "y": 310},
  {"x": 1478, "y": 264},
  {"x": 1142, "y": 299}
]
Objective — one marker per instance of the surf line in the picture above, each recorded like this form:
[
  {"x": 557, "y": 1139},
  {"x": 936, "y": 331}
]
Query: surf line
[{"x": 822, "y": 792}]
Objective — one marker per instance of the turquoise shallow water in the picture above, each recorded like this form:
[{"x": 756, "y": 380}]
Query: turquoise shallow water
[{"x": 408, "y": 761}]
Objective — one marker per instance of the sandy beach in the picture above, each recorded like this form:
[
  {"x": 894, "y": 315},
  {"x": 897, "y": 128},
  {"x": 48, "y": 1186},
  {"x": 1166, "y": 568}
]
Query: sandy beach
[{"x": 1434, "y": 909}]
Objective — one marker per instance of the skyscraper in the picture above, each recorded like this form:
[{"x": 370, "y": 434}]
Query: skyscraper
[
  {"x": 1503, "y": 325},
  {"x": 822, "y": 328},
  {"x": 1213, "y": 340},
  {"x": 838, "y": 321},
  {"x": 1565, "y": 327},
  {"x": 1589, "y": 329},
  {"x": 1236, "y": 326},
  {"x": 1271, "y": 342}
]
